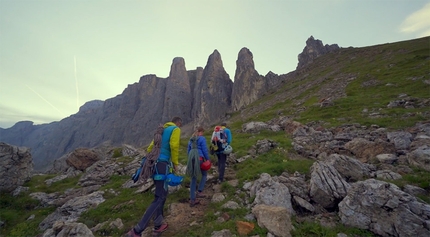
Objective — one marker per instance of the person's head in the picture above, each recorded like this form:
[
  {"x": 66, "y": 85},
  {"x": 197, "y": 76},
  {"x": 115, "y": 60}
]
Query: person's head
[
  {"x": 224, "y": 124},
  {"x": 177, "y": 121},
  {"x": 200, "y": 130}
]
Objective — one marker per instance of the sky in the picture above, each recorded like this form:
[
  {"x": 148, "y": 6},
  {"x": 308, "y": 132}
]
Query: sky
[{"x": 56, "y": 55}]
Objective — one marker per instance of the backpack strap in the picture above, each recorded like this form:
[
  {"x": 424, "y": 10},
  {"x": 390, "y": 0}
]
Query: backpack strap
[{"x": 194, "y": 145}]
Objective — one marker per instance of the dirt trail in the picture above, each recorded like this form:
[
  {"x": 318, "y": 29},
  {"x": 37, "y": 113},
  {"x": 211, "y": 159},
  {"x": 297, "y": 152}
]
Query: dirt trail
[{"x": 181, "y": 216}]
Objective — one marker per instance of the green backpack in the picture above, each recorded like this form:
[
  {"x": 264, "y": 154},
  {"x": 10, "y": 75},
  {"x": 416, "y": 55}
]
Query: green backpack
[{"x": 193, "y": 163}]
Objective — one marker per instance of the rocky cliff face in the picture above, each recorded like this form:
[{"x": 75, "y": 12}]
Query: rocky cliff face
[
  {"x": 200, "y": 97},
  {"x": 248, "y": 84},
  {"x": 15, "y": 166},
  {"x": 313, "y": 49},
  {"x": 196, "y": 96},
  {"x": 212, "y": 92}
]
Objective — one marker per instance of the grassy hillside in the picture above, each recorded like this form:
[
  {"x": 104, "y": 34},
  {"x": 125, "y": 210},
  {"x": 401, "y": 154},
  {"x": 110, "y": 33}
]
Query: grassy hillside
[
  {"x": 359, "y": 83},
  {"x": 352, "y": 85}
]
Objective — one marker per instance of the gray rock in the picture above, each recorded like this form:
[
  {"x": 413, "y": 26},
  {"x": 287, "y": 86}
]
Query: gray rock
[
  {"x": 269, "y": 192},
  {"x": 275, "y": 219},
  {"x": 327, "y": 186},
  {"x": 387, "y": 158},
  {"x": 401, "y": 140},
  {"x": 62, "y": 229},
  {"x": 254, "y": 127},
  {"x": 387, "y": 175},
  {"x": 303, "y": 203},
  {"x": 420, "y": 157},
  {"x": 351, "y": 169},
  {"x": 16, "y": 166},
  {"x": 72, "y": 209},
  {"x": 218, "y": 197},
  {"x": 384, "y": 209},
  {"x": 221, "y": 233},
  {"x": 230, "y": 205},
  {"x": 414, "y": 190},
  {"x": 19, "y": 190}
]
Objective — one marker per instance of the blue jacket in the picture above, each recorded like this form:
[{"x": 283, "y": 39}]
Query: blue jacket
[{"x": 201, "y": 146}]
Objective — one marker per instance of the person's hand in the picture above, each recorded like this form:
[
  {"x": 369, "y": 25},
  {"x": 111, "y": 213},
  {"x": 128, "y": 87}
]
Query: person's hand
[{"x": 175, "y": 168}]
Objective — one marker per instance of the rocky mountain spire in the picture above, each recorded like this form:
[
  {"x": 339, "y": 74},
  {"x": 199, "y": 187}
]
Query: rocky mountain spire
[
  {"x": 248, "y": 84},
  {"x": 213, "y": 92},
  {"x": 177, "y": 100},
  {"x": 313, "y": 49}
]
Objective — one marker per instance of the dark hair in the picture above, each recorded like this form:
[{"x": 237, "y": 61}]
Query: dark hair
[
  {"x": 200, "y": 129},
  {"x": 176, "y": 119},
  {"x": 224, "y": 124}
]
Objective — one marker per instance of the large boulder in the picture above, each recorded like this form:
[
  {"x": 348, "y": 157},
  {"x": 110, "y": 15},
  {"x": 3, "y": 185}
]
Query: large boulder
[
  {"x": 82, "y": 158},
  {"x": 16, "y": 166},
  {"x": 275, "y": 219},
  {"x": 384, "y": 209},
  {"x": 420, "y": 157},
  {"x": 269, "y": 191},
  {"x": 327, "y": 186}
]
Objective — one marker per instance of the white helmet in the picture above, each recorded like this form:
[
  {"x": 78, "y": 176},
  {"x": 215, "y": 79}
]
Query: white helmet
[{"x": 228, "y": 149}]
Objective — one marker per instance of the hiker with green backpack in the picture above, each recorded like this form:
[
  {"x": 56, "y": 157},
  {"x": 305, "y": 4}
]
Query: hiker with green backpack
[{"x": 197, "y": 165}]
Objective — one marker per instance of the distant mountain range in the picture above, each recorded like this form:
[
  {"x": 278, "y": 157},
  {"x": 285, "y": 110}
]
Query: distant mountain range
[{"x": 202, "y": 96}]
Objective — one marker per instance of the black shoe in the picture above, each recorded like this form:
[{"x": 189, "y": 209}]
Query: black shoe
[{"x": 194, "y": 202}]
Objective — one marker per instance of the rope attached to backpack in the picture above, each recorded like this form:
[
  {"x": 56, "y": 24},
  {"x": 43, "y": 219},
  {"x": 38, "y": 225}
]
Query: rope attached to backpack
[
  {"x": 193, "y": 163},
  {"x": 151, "y": 158}
]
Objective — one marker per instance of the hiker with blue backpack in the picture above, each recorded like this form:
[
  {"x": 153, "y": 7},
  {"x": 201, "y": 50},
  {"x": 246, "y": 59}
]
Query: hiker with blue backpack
[
  {"x": 221, "y": 139},
  {"x": 165, "y": 150},
  {"x": 197, "y": 165}
]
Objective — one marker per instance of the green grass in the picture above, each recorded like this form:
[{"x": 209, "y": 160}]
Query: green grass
[
  {"x": 15, "y": 212},
  {"x": 37, "y": 184},
  {"x": 312, "y": 229}
]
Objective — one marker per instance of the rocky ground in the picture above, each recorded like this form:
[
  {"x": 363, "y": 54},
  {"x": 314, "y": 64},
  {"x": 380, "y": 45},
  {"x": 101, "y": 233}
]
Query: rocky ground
[{"x": 181, "y": 216}]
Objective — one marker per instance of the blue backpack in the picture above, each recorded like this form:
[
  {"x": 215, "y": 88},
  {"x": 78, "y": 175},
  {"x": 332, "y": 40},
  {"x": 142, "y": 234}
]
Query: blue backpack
[{"x": 135, "y": 176}]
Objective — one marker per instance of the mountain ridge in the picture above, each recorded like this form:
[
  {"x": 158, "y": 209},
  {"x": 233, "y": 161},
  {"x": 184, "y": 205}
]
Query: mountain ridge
[{"x": 123, "y": 119}]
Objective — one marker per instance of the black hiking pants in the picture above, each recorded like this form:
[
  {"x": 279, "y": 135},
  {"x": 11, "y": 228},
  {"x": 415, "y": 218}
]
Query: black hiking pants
[
  {"x": 222, "y": 159},
  {"x": 155, "y": 209}
]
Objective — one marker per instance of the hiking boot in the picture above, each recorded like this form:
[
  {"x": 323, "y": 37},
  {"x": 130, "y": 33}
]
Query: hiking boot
[
  {"x": 161, "y": 228},
  {"x": 200, "y": 195},
  {"x": 194, "y": 202},
  {"x": 131, "y": 234}
]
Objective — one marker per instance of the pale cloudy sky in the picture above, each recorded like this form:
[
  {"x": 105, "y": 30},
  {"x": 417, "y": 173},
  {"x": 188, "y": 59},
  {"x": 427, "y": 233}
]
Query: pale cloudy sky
[{"x": 55, "y": 55}]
